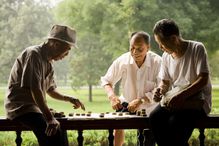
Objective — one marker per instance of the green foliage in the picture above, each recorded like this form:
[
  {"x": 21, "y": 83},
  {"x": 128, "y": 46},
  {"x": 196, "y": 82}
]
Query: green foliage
[
  {"x": 214, "y": 64},
  {"x": 104, "y": 28},
  {"x": 89, "y": 60},
  {"x": 22, "y": 23}
]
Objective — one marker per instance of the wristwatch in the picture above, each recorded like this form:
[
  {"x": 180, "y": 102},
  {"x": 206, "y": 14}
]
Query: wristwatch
[{"x": 142, "y": 100}]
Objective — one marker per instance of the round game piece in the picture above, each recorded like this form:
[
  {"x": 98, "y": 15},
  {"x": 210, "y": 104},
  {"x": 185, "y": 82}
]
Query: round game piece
[
  {"x": 126, "y": 113},
  {"x": 101, "y": 115},
  {"x": 71, "y": 114},
  {"x": 113, "y": 113},
  {"x": 144, "y": 115},
  {"x": 57, "y": 115},
  {"x": 107, "y": 112},
  {"x": 77, "y": 114},
  {"x": 88, "y": 114},
  {"x": 62, "y": 114},
  {"x": 83, "y": 114},
  {"x": 143, "y": 110},
  {"x": 120, "y": 114}
]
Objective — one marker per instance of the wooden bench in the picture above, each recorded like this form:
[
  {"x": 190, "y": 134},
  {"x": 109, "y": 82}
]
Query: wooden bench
[{"x": 212, "y": 121}]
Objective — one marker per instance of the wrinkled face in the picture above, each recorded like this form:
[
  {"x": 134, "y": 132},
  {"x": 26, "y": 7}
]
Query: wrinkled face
[
  {"x": 60, "y": 50},
  {"x": 165, "y": 45},
  {"x": 138, "y": 48}
]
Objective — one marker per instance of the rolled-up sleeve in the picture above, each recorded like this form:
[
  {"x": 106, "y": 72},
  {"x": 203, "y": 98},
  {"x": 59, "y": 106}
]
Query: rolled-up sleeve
[
  {"x": 32, "y": 72},
  {"x": 113, "y": 74}
]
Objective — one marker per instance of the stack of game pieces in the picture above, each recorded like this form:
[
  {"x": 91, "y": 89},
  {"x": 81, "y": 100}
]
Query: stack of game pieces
[{"x": 141, "y": 113}]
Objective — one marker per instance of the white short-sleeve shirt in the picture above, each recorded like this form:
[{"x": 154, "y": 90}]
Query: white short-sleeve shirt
[
  {"x": 185, "y": 70},
  {"x": 136, "y": 82}
]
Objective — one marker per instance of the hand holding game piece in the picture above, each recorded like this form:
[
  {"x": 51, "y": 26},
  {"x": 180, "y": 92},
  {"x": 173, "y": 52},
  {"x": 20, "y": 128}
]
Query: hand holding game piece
[
  {"x": 133, "y": 105},
  {"x": 77, "y": 103},
  {"x": 115, "y": 102},
  {"x": 158, "y": 94}
]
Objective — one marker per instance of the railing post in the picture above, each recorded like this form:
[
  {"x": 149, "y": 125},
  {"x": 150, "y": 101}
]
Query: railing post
[
  {"x": 110, "y": 137},
  {"x": 140, "y": 137},
  {"x": 148, "y": 138},
  {"x": 202, "y": 136},
  {"x": 18, "y": 139},
  {"x": 80, "y": 138}
]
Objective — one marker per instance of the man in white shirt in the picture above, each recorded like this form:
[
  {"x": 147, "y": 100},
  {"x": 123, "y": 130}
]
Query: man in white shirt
[
  {"x": 138, "y": 70},
  {"x": 184, "y": 64}
]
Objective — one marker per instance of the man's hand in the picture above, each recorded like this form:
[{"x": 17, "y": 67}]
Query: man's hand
[
  {"x": 77, "y": 103},
  {"x": 52, "y": 126},
  {"x": 134, "y": 104},
  {"x": 115, "y": 102},
  {"x": 158, "y": 93}
]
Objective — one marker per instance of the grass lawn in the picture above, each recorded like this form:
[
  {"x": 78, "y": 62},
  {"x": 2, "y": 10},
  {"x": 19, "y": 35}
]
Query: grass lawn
[
  {"x": 100, "y": 101},
  {"x": 99, "y": 104}
]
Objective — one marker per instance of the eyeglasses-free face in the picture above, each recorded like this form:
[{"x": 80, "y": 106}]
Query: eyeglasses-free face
[{"x": 138, "y": 49}]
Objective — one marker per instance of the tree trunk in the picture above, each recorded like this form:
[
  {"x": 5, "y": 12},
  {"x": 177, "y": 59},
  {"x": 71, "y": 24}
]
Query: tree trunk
[{"x": 90, "y": 93}]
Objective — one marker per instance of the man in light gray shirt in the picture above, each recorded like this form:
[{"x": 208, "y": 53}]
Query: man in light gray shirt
[{"x": 31, "y": 78}]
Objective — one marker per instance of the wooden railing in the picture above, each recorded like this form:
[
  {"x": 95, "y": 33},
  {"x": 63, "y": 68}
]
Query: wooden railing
[{"x": 80, "y": 124}]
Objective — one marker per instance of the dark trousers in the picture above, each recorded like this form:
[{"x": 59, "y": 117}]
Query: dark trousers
[
  {"x": 38, "y": 124},
  {"x": 173, "y": 128}
]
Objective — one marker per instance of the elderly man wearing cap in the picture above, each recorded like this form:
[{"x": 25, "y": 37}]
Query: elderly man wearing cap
[{"x": 31, "y": 78}]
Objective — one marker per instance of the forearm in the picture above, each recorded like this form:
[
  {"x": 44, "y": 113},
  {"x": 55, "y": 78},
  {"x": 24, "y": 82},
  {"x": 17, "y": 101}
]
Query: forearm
[
  {"x": 56, "y": 95},
  {"x": 164, "y": 86},
  {"x": 197, "y": 85},
  {"x": 39, "y": 100},
  {"x": 109, "y": 91},
  {"x": 148, "y": 98}
]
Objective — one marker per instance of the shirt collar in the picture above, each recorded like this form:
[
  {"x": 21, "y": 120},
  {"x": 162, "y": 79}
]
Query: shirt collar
[
  {"x": 43, "y": 51},
  {"x": 147, "y": 61}
]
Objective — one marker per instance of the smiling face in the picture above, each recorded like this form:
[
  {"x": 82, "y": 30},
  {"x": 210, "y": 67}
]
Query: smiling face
[{"x": 138, "y": 49}]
